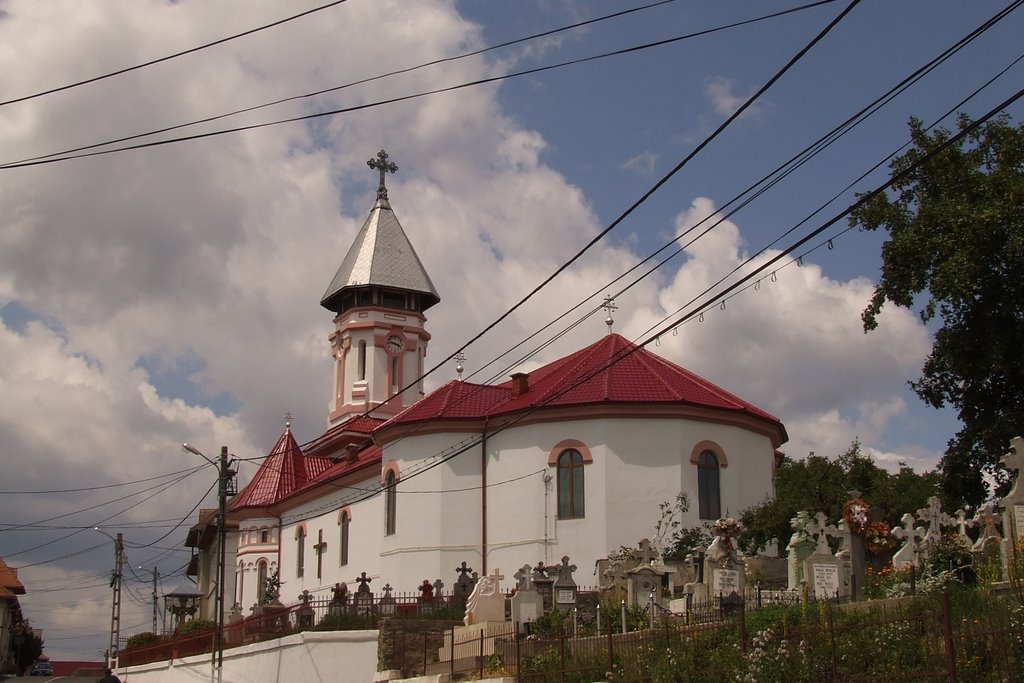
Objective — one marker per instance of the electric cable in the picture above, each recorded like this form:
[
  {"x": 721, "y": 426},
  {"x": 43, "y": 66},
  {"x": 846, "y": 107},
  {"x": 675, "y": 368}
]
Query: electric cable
[
  {"x": 170, "y": 57},
  {"x": 58, "y": 157}
]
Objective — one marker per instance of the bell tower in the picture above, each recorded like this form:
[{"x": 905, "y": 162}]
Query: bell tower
[{"x": 379, "y": 296}]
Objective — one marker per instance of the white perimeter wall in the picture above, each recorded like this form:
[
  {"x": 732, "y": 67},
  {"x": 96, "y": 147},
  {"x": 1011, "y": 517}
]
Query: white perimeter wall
[{"x": 349, "y": 656}]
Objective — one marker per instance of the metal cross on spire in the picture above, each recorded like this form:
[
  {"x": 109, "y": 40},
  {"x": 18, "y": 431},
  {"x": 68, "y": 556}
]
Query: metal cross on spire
[
  {"x": 460, "y": 359},
  {"x": 609, "y": 305},
  {"x": 382, "y": 164}
]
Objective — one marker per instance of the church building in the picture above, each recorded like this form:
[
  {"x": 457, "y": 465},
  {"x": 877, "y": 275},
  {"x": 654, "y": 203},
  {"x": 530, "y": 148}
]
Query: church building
[{"x": 572, "y": 458}]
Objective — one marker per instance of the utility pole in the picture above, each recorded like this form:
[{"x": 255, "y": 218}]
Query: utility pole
[
  {"x": 225, "y": 486},
  {"x": 113, "y": 652},
  {"x": 156, "y": 576},
  {"x": 222, "y": 532}
]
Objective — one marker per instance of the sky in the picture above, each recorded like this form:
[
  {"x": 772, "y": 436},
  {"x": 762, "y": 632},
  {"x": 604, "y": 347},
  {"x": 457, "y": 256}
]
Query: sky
[{"x": 171, "y": 293}]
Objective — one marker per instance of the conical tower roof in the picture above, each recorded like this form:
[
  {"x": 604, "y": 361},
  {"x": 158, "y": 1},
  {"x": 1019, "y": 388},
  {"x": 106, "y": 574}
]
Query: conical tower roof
[{"x": 381, "y": 255}]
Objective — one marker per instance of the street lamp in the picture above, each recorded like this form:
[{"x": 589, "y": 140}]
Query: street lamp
[
  {"x": 224, "y": 476},
  {"x": 113, "y": 650}
]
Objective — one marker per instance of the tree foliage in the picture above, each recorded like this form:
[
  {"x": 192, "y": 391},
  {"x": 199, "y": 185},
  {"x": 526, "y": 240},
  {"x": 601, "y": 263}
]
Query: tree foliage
[
  {"x": 954, "y": 252},
  {"x": 818, "y": 484},
  {"x": 26, "y": 646}
]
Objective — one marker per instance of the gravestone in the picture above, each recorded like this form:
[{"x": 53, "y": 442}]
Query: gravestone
[
  {"x": 463, "y": 585},
  {"x": 362, "y": 601},
  {"x": 486, "y": 603},
  {"x": 527, "y": 603},
  {"x": 305, "y": 613},
  {"x": 985, "y": 520},
  {"x": 1013, "y": 503},
  {"x": 387, "y": 605},
  {"x": 801, "y": 546},
  {"x": 339, "y": 599},
  {"x": 564, "y": 588},
  {"x": 542, "y": 580},
  {"x": 826, "y": 575},
  {"x": 723, "y": 565},
  {"x": 907, "y": 556},
  {"x": 425, "y": 600}
]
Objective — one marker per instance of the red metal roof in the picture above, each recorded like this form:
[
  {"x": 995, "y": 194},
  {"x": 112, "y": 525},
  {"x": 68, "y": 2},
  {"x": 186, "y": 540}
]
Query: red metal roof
[
  {"x": 282, "y": 472},
  {"x": 612, "y": 370}
]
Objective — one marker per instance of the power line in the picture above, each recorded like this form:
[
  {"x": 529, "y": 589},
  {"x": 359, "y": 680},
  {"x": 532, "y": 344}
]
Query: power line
[
  {"x": 61, "y": 156},
  {"x": 245, "y": 110},
  {"x": 170, "y": 57}
]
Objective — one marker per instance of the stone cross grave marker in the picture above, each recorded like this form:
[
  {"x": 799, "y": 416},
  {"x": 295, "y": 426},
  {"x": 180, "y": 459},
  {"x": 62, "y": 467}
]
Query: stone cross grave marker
[
  {"x": 387, "y": 604},
  {"x": 565, "y": 588},
  {"x": 463, "y": 585},
  {"x": 486, "y": 602},
  {"x": 935, "y": 518},
  {"x": 910, "y": 535},
  {"x": 363, "y": 600}
]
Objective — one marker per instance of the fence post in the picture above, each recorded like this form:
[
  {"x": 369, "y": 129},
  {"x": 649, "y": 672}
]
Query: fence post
[
  {"x": 832, "y": 639},
  {"x": 947, "y": 638},
  {"x": 519, "y": 638},
  {"x": 481, "y": 665},
  {"x": 451, "y": 656},
  {"x": 743, "y": 626},
  {"x": 611, "y": 657},
  {"x": 561, "y": 652}
]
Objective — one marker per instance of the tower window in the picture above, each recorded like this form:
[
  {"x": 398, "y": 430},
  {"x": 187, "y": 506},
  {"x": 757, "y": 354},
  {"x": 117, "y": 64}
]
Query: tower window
[
  {"x": 300, "y": 551},
  {"x": 361, "y": 362}
]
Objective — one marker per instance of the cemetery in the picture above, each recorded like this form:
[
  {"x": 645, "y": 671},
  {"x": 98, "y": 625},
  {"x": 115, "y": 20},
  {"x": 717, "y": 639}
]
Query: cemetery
[{"x": 939, "y": 596}]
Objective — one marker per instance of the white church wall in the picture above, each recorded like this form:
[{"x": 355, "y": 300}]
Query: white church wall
[
  {"x": 322, "y": 514},
  {"x": 437, "y": 511}
]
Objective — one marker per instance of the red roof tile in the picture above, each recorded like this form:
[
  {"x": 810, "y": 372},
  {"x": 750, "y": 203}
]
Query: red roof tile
[
  {"x": 612, "y": 370},
  {"x": 283, "y": 471},
  {"x": 9, "y": 579}
]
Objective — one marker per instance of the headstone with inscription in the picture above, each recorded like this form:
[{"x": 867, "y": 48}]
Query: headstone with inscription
[
  {"x": 564, "y": 590},
  {"x": 486, "y": 603}
]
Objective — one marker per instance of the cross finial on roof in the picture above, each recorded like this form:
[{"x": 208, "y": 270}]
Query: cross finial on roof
[
  {"x": 382, "y": 164},
  {"x": 609, "y": 305},
  {"x": 288, "y": 420},
  {"x": 460, "y": 358}
]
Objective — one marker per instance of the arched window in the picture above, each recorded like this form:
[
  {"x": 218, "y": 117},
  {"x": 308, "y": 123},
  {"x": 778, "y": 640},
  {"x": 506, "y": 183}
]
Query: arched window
[
  {"x": 390, "y": 505},
  {"x": 361, "y": 361},
  {"x": 300, "y": 551},
  {"x": 570, "y": 484},
  {"x": 708, "y": 492},
  {"x": 345, "y": 519},
  {"x": 261, "y": 581},
  {"x": 240, "y": 581}
]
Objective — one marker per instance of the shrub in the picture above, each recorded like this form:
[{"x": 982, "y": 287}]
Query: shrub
[
  {"x": 195, "y": 626},
  {"x": 141, "y": 640}
]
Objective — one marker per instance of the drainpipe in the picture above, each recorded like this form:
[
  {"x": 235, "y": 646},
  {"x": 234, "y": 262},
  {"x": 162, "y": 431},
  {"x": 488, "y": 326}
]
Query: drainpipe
[{"x": 483, "y": 498}]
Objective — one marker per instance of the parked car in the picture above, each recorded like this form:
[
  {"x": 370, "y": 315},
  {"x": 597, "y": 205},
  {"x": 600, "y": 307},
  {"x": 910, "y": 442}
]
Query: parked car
[{"x": 41, "y": 669}]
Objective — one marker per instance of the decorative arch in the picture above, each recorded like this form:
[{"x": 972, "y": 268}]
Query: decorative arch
[
  {"x": 566, "y": 444},
  {"x": 392, "y": 466},
  {"x": 709, "y": 459},
  {"x": 707, "y": 445}
]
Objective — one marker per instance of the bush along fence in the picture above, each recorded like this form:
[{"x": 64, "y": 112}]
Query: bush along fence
[{"x": 953, "y": 637}]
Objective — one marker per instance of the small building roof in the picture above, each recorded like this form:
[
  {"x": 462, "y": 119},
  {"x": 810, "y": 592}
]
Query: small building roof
[
  {"x": 283, "y": 471},
  {"x": 9, "y": 579}
]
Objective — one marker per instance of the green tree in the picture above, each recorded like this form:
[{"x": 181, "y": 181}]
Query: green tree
[
  {"x": 26, "y": 646},
  {"x": 818, "y": 484},
  {"x": 954, "y": 252}
]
